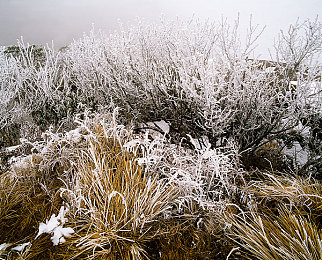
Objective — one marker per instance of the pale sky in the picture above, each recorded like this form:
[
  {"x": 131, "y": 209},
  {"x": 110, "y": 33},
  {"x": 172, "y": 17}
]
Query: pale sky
[{"x": 61, "y": 21}]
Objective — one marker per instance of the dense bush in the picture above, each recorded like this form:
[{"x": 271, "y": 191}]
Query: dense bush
[
  {"x": 168, "y": 121},
  {"x": 139, "y": 196},
  {"x": 197, "y": 77},
  {"x": 127, "y": 196}
]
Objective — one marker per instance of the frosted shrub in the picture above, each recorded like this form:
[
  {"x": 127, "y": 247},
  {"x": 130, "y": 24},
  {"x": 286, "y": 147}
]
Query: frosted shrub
[
  {"x": 198, "y": 78},
  {"x": 29, "y": 88},
  {"x": 36, "y": 92},
  {"x": 205, "y": 178}
]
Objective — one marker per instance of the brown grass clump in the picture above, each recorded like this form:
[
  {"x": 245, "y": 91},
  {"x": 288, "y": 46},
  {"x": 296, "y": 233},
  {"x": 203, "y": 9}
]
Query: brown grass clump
[
  {"x": 27, "y": 197},
  {"x": 266, "y": 157},
  {"x": 121, "y": 208},
  {"x": 283, "y": 219},
  {"x": 190, "y": 238},
  {"x": 304, "y": 194},
  {"x": 115, "y": 204},
  {"x": 285, "y": 236}
]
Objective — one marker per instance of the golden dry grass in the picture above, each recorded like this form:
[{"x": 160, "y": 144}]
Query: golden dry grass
[
  {"x": 189, "y": 238},
  {"x": 283, "y": 219},
  {"x": 27, "y": 197},
  {"x": 119, "y": 210},
  {"x": 115, "y": 204},
  {"x": 287, "y": 235},
  {"x": 303, "y": 193}
]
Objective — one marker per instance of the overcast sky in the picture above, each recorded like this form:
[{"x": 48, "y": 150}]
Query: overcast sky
[{"x": 61, "y": 21}]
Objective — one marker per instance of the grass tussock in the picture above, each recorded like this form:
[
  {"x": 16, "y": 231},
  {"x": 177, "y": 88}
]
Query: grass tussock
[
  {"x": 133, "y": 196},
  {"x": 303, "y": 194},
  {"x": 288, "y": 235},
  {"x": 195, "y": 238},
  {"x": 119, "y": 207},
  {"x": 283, "y": 220},
  {"x": 114, "y": 203},
  {"x": 27, "y": 197}
]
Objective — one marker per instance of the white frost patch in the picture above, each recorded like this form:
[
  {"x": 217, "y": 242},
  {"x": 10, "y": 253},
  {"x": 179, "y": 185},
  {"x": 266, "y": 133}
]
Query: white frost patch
[
  {"x": 60, "y": 233},
  {"x": 294, "y": 83},
  {"x": 316, "y": 95},
  {"x": 15, "y": 159},
  {"x": 270, "y": 69},
  {"x": 13, "y": 148},
  {"x": 55, "y": 226},
  {"x": 156, "y": 128},
  {"x": 75, "y": 135},
  {"x": 163, "y": 125},
  {"x": 311, "y": 93},
  {"x": 4, "y": 246},
  {"x": 201, "y": 144},
  {"x": 296, "y": 152},
  {"x": 131, "y": 144},
  {"x": 21, "y": 162},
  {"x": 303, "y": 130},
  {"x": 20, "y": 247},
  {"x": 142, "y": 161}
]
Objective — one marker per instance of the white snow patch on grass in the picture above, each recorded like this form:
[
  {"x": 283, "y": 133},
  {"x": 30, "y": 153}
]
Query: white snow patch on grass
[
  {"x": 21, "y": 162},
  {"x": 156, "y": 128},
  {"x": 4, "y": 246},
  {"x": 270, "y": 69},
  {"x": 293, "y": 83},
  {"x": 60, "y": 233},
  {"x": 54, "y": 226},
  {"x": 13, "y": 148},
  {"x": 163, "y": 125},
  {"x": 21, "y": 247},
  {"x": 75, "y": 135},
  {"x": 297, "y": 153}
]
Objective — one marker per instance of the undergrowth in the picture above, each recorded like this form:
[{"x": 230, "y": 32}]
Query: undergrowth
[
  {"x": 129, "y": 197},
  {"x": 183, "y": 152},
  {"x": 283, "y": 220}
]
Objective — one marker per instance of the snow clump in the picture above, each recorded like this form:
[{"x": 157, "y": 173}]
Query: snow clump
[{"x": 54, "y": 226}]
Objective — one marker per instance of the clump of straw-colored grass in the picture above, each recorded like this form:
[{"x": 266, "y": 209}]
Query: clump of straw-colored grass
[
  {"x": 27, "y": 197},
  {"x": 287, "y": 235},
  {"x": 114, "y": 203},
  {"x": 281, "y": 218},
  {"x": 141, "y": 197},
  {"x": 305, "y": 194}
]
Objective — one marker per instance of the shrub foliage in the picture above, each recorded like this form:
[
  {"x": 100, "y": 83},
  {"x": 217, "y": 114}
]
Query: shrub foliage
[{"x": 147, "y": 138}]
